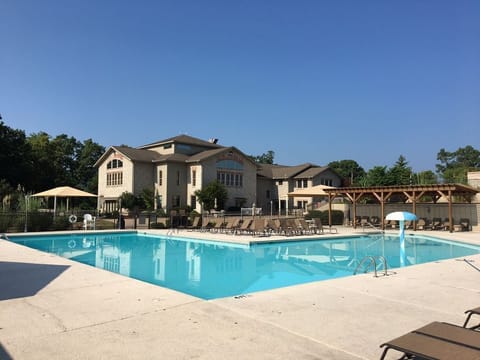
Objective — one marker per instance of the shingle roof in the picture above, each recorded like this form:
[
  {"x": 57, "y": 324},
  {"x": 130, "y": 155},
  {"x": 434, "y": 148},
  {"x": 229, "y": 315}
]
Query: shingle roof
[
  {"x": 172, "y": 158},
  {"x": 183, "y": 139},
  {"x": 137, "y": 154},
  {"x": 205, "y": 154},
  {"x": 280, "y": 171},
  {"x": 311, "y": 173}
]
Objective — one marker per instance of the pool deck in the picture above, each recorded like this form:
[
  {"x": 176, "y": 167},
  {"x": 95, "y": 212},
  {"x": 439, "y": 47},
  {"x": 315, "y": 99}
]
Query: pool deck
[{"x": 54, "y": 308}]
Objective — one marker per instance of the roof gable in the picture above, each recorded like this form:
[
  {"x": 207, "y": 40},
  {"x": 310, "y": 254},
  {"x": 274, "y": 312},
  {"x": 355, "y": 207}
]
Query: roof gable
[
  {"x": 183, "y": 139},
  {"x": 132, "y": 154}
]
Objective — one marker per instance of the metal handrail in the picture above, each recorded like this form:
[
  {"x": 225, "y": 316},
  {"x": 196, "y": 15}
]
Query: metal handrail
[
  {"x": 379, "y": 229},
  {"x": 374, "y": 262}
]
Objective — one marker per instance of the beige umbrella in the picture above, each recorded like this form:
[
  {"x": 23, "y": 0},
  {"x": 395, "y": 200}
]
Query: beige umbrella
[
  {"x": 63, "y": 191},
  {"x": 317, "y": 190}
]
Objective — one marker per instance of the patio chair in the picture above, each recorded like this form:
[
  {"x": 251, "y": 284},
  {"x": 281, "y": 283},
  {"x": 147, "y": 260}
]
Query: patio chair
[
  {"x": 464, "y": 224},
  {"x": 232, "y": 225},
  {"x": 259, "y": 228},
  {"x": 469, "y": 313},
  {"x": 302, "y": 226},
  {"x": 375, "y": 221},
  {"x": 437, "y": 340},
  {"x": 437, "y": 224},
  {"x": 88, "y": 221},
  {"x": 244, "y": 227},
  {"x": 321, "y": 228},
  {"x": 423, "y": 224},
  {"x": 195, "y": 223}
]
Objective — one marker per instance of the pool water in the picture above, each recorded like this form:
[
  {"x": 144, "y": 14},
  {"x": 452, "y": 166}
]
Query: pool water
[{"x": 209, "y": 270}]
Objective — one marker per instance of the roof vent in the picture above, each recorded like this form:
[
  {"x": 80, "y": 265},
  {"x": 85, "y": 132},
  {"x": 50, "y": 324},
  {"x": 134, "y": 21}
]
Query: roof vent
[{"x": 213, "y": 140}]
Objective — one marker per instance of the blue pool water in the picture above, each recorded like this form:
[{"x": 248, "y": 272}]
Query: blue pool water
[{"x": 209, "y": 270}]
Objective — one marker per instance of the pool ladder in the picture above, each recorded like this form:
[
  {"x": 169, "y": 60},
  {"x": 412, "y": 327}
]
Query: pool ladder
[{"x": 372, "y": 260}]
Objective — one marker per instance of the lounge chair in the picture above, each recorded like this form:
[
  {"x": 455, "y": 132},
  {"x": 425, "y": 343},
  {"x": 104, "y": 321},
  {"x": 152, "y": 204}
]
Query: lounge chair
[
  {"x": 302, "y": 227},
  {"x": 437, "y": 340},
  {"x": 232, "y": 225},
  {"x": 437, "y": 224},
  {"x": 469, "y": 313},
  {"x": 463, "y": 225},
  {"x": 423, "y": 224},
  {"x": 321, "y": 228},
  {"x": 286, "y": 227},
  {"x": 375, "y": 221},
  {"x": 244, "y": 227},
  {"x": 195, "y": 223},
  {"x": 259, "y": 228}
]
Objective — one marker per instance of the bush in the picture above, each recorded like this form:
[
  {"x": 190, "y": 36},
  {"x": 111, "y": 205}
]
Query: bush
[
  {"x": 337, "y": 216},
  {"x": 157, "y": 226}
]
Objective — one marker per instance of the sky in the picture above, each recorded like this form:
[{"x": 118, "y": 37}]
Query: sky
[{"x": 311, "y": 80}]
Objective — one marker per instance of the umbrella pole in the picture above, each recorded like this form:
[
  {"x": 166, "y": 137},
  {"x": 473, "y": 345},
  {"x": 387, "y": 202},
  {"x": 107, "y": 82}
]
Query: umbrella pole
[{"x": 402, "y": 243}]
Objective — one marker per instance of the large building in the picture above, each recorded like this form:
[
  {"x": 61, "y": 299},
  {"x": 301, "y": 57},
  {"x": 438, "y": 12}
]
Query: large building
[{"x": 177, "y": 167}]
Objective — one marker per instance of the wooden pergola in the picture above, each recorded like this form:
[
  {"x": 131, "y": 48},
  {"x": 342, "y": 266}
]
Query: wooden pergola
[{"x": 407, "y": 194}]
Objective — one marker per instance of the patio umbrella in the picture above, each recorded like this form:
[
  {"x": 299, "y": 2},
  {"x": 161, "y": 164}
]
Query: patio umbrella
[
  {"x": 63, "y": 191},
  {"x": 401, "y": 217}
]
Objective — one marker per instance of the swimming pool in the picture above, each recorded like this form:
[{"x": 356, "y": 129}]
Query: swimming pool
[{"x": 210, "y": 269}]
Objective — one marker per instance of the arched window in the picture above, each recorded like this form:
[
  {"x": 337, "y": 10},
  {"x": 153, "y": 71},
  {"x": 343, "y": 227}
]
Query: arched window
[{"x": 115, "y": 164}]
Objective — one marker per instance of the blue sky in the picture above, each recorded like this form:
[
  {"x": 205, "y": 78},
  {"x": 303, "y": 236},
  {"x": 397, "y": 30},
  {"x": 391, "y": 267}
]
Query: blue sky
[{"x": 312, "y": 80}]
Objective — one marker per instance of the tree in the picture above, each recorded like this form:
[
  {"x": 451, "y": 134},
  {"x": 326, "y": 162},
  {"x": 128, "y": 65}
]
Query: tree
[
  {"x": 86, "y": 175},
  {"x": 400, "y": 173},
  {"x": 148, "y": 198},
  {"x": 129, "y": 201},
  {"x": 349, "y": 171},
  {"x": 44, "y": 168},
  {"x": 215, "y": 192},
  {"x": 453, "y": 166},
  {"x": 265, "y": 158},
  {"x": 15, "y": 161},
  {"x": 376, "y": 176},
  {"x": 425, "y": 178}
]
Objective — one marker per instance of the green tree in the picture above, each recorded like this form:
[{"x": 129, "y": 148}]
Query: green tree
[
  {"x": 425, "y": 178},
  {"x": 213, "y": 192},
  {"x": 86, "y": 175},
  {"x": 349, "y": 171},
  {"x": 148, "y": 198},
  {"x": 129, "y": 201},
  {"x": 44, "y": 168},
  {"x": 453, "y": 166},
  {"x": 265, "y": 158},
  {"x": 15, "y": 160},
  {"x": 376, "y": 176},
  {"x": 400, "y": 173},
  {"x": 63, "y": 155}
]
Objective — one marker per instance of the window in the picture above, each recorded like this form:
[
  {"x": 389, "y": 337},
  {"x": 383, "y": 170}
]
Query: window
[
  {"x": 115, "y": 164},
  {"x": 178, "y": 177},
  {"x": 175, "y": 201},
  {"x": 115, "y": 178},
  {"x": 230, "y": 179},
  {"x": 160, "y": 178},
  {"x": 193, "y": 201},
  {"x": 194, "y": 178},
  {"x": 280, "y": 182},
  {"x": 305, "y": 183},
  {"x": 230, "y": 171}
]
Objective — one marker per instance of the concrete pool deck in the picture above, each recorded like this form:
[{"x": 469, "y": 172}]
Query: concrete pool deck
[{"x": 54, "y": 308}]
